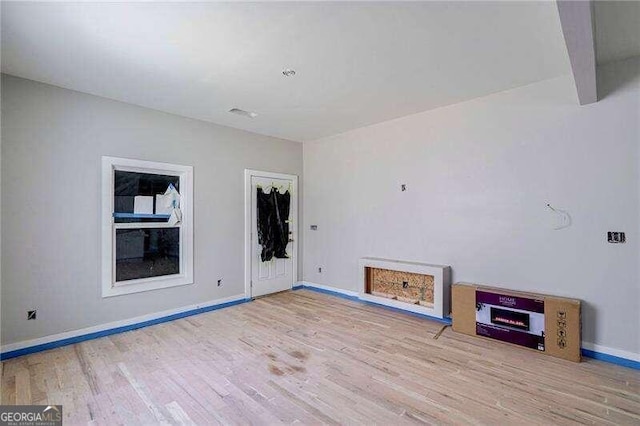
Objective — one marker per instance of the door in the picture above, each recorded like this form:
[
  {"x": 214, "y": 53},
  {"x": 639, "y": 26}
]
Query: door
[{"x": 277, "y": 274}]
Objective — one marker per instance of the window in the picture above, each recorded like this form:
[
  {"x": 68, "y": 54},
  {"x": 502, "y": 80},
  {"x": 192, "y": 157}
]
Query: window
[{"x": 147, "y": 226}]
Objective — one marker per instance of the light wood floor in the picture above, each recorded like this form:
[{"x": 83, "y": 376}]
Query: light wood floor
[{"x": 306, "y": 357}]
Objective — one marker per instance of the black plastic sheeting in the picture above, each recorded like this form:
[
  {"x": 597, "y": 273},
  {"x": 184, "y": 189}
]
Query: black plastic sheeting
[{"x": 273, "y": 223}]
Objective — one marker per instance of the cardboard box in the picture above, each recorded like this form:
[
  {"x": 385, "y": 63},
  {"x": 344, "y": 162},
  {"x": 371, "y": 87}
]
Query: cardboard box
[{"x": 539, "y": 322}]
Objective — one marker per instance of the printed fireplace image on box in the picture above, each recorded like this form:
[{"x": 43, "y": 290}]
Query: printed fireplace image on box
[{"x": 512, "y": 319}]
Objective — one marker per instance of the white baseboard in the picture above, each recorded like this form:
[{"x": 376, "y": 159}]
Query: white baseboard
[
  {"x": 132, "y": 322},
  {"x": 116, "y": 324},
  {"x": 611, "y": 351},
  {"x": 599, "y": 349},
  {"x": 327, "y": 288}
]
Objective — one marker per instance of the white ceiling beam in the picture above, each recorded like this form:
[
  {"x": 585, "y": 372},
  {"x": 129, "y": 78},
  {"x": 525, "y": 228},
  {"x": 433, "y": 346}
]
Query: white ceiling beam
[{"x": 577, "y": 20}]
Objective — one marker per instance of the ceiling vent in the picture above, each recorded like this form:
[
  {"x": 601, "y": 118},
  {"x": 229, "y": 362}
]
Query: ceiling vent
[{"x": 243, "y": 113}]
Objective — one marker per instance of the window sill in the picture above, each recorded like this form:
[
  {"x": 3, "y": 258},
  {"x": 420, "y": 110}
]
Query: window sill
[
  {"x": 147, "y": 285},
  {"x": 140, "y": 216}
]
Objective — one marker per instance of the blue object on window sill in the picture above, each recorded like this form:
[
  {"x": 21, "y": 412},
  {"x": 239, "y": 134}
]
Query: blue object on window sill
[{"x": 140, "y": 216}]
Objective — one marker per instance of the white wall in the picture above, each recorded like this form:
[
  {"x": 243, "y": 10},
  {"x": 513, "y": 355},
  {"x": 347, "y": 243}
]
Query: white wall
[
  {"x": 53, "y": 140},
  {"x": 479, "y": 175}
]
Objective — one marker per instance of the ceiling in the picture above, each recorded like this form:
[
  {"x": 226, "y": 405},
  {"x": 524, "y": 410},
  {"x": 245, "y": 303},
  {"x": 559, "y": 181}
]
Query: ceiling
[
  {"x": 617, "y": 30},
  {"x": 356, "y": 63}
]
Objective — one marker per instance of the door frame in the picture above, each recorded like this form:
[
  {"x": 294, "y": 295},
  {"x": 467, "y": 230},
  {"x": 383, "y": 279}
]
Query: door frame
[{"x": 293, "y": 213}]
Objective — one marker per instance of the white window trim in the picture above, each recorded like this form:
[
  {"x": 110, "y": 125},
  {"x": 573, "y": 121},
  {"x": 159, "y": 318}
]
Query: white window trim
[{"x": 109, "y": 165}]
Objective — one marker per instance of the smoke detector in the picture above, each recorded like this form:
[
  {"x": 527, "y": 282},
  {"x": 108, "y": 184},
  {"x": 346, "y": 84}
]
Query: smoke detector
[
  {"x": 288, "y": 72},
  {"x": 243, "y": 113}
]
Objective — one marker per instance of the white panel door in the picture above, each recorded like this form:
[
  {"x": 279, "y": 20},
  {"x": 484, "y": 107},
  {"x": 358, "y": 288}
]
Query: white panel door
[{"x": 276, "y": 274}]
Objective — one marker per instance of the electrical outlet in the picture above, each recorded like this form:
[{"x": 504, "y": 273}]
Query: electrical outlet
[
  {"x": 314, "y": 227},
  {"x": 31, "y": 315},
  {"x": 220, "y": 282},
  {"x": 616, "y": 237},
  {"x": 319, "y": 269}
]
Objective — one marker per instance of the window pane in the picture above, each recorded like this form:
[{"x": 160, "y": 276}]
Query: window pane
[
  {"x": 129, "y": 185},
  {"x": 147, "y": 252}
]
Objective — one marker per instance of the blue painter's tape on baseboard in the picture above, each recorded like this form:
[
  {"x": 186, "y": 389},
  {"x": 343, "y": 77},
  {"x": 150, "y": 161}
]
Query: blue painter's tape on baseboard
[
  {"x": 103, "y": 333},
  {"x": 624, "y": 362},
  {"x": 585, "y": 352},
  {"x": 611, "y": 359},
  {"x": 367, "y": 302},
  {"x": 297, "y": 287},
  {"x": 332, "y": 293},
  {"x": 444, "y": 320}
]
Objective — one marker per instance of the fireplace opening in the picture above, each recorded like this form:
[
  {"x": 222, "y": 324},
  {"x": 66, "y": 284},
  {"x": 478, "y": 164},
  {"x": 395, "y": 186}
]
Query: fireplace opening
[
  {"x": 518, "y": 320},
  {"x": 408, "y": 287}
]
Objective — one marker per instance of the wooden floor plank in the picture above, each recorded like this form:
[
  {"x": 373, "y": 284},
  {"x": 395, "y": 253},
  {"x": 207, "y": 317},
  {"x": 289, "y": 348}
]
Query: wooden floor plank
[{"x": 310, "y": 358}]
